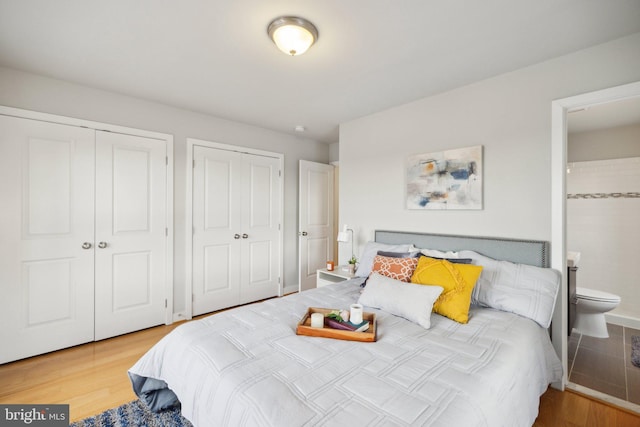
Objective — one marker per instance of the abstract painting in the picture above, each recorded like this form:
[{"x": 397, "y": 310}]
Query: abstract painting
[{"x": 449, "y": 179}]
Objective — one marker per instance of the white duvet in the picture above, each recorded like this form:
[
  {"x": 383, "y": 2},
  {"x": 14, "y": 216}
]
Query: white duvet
[{"x": 247, "y": 367}]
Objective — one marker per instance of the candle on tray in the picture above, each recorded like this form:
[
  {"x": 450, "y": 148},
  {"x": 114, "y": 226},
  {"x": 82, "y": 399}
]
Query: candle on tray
[
  {"x": 355, "y": 313},
  {"x": 317, "y": 320}
]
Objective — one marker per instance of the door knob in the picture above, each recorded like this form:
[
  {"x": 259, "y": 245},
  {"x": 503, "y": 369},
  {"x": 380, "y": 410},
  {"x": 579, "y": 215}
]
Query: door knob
[
  {"x": 245, "y": 235},
  {"x": 86, "y": 245},
  {"x": 304, "y": 233},
  {"x": 236, "y": 236},
  {"x": 102, "y": 245}
]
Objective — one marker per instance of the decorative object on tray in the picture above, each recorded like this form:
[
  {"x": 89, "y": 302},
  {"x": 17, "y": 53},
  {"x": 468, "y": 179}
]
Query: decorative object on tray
[
  {"x": 317, "y": 320},
  {"x": 336, "y": 326},
  {"x": 355, "y": 312},
  {"x": 339, "y": 319},
  {"x": 449, "y": 179}
]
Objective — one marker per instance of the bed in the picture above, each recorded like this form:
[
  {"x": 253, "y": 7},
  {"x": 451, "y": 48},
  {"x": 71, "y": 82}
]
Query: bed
[{"x": 247, "y": 366}]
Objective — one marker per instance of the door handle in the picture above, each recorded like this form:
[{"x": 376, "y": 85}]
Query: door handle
[
  {"x": 102, "y": 245},
  {"x": 304, "y": 233},
  {"x": 236, "y": 236},
  {"x": 86, "y": 245},
  {"x": 245, "y": 235}
]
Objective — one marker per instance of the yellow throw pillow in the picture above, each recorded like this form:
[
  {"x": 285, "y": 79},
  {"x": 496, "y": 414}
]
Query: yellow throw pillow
[{"x": 457, "y": 280}]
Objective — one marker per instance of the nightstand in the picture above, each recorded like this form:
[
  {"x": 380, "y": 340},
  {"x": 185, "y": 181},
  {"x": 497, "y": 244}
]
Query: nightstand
[{"x": 339, "y": 274}]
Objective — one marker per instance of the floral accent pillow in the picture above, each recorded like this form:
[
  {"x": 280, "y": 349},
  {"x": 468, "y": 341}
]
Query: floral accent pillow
[{"x": 395, "y": 268}]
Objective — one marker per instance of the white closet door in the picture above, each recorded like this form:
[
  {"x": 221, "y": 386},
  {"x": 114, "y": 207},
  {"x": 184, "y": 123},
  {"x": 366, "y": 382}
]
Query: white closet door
[
  {"x": 216, "y": 229},
  {"x": 315, "y": 220},
  {"x": 46, "y": 276},
  {"x": 261, "y": 201},
  {"x": 236, "y": 231},
  {"x": 130, "y": 233}
]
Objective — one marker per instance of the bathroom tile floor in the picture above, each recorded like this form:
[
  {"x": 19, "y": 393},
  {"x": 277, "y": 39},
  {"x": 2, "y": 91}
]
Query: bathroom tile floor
[{"x": 604, "y": 364}]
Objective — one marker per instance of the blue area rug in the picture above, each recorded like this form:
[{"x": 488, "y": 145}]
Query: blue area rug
[{"x": 135, "y": 414}]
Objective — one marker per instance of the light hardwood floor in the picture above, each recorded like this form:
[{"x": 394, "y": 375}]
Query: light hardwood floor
[{"x": 93, "y": 377}]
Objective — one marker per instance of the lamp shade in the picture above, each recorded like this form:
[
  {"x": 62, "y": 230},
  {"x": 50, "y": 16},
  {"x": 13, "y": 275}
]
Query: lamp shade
[
  {"x": 343, "y": 236},
  {"x": 292, "y": 35}
]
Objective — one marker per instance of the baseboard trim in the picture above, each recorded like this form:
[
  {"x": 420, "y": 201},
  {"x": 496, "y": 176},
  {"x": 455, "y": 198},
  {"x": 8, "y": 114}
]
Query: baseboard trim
[
  {"x": 617, "y": 319},
  {"x": 289, "y": 290},
  {"x": 180, "y": 316}
]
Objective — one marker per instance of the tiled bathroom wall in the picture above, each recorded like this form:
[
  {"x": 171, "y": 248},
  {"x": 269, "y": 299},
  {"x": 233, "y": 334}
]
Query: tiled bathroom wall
[{"x": 603, "y": 224}]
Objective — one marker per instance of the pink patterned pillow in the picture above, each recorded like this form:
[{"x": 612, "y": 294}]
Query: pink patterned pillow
[{"x": 395, "y": 268}]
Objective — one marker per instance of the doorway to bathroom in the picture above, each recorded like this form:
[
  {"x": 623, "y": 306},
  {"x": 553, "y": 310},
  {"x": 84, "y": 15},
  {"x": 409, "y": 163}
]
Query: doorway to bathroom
[{"x": 602, "y": 204}]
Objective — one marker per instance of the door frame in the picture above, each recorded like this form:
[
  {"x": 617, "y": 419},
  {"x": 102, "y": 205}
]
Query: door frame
[
  {"x": 188, "y": 249},
  {"x": 168, "y": 140},
  {"x": 559, "y": 110}
]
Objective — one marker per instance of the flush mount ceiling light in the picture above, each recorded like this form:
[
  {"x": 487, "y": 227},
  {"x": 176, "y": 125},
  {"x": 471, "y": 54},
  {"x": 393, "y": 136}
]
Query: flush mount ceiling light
[{"x": 292, "y": 35}]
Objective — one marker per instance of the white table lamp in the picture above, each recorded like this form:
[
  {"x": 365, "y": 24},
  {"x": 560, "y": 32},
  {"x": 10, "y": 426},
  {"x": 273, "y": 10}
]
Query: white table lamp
[{"x": 343, "y": 236}]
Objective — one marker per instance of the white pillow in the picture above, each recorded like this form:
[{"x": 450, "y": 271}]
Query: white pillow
[
  {"x": 516, "y": 288},
  {"x": 369, "y": 253},
  {"x": 413, "y": 302}
]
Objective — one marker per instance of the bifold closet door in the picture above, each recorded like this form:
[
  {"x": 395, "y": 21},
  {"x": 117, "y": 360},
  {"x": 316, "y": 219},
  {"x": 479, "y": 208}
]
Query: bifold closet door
[
  {"x": 262, "y": 201},
  {"x": 130, "y": 233},
  {"x": 236, "y": 237},
  {"x": 217, "y": 230},
  {"x": 47, "y": 227}
]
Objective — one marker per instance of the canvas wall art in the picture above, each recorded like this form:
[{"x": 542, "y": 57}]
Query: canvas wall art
[{"x": 449, "y": 179}]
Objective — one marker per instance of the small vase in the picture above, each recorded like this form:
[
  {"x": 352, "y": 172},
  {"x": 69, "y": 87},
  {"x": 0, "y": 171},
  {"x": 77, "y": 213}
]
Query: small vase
[{"x": 352, "y": 268}]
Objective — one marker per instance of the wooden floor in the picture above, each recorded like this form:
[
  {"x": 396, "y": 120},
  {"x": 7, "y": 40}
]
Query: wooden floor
[{"x": 93, "y": 377}]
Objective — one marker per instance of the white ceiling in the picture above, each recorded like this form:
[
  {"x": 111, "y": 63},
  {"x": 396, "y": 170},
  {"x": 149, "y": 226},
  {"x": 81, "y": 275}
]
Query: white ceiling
[{"x": 214, "y": 56}]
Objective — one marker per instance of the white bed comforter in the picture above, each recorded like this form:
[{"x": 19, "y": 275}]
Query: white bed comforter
[{"x": 247, "y": 367}]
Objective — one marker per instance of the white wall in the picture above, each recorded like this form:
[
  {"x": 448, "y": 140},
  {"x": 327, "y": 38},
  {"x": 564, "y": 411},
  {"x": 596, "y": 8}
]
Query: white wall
[
  {"x": 334, "y": 152},
  {"x": 510, "y": 115},
  {"x": 605, "y": 229},
  {"x": 37, "y": 93},
  {"x": 612, "y": 143}
]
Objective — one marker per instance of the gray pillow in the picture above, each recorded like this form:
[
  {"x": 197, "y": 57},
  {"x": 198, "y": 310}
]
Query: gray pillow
[
  {"x": 400, "y": 254},
  {"x": 452, "y": 260}
]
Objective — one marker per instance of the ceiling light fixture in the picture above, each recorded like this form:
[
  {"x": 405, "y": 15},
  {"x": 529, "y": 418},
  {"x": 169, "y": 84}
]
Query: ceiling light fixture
[{"x": 292, "y": 35}]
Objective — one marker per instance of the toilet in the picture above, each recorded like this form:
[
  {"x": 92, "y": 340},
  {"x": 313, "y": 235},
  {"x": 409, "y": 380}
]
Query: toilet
[{"x": 590, "y": 309}]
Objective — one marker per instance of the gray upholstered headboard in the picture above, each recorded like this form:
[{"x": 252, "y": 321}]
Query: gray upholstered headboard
[{"x": 532, "y": 252}]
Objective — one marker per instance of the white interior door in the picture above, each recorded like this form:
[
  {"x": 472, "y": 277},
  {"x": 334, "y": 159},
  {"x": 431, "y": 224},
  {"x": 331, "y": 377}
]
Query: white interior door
[
  {"x": 46, "y": 253},
  {"x": 316, "y": 220},
  {"x": 217, "y": 229},
  {"x": 261, "y": 201},
  {"x": 131, "y": 233}
]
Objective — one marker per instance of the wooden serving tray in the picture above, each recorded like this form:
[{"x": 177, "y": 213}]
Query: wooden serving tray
[{"x": 304, "y": 327}]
